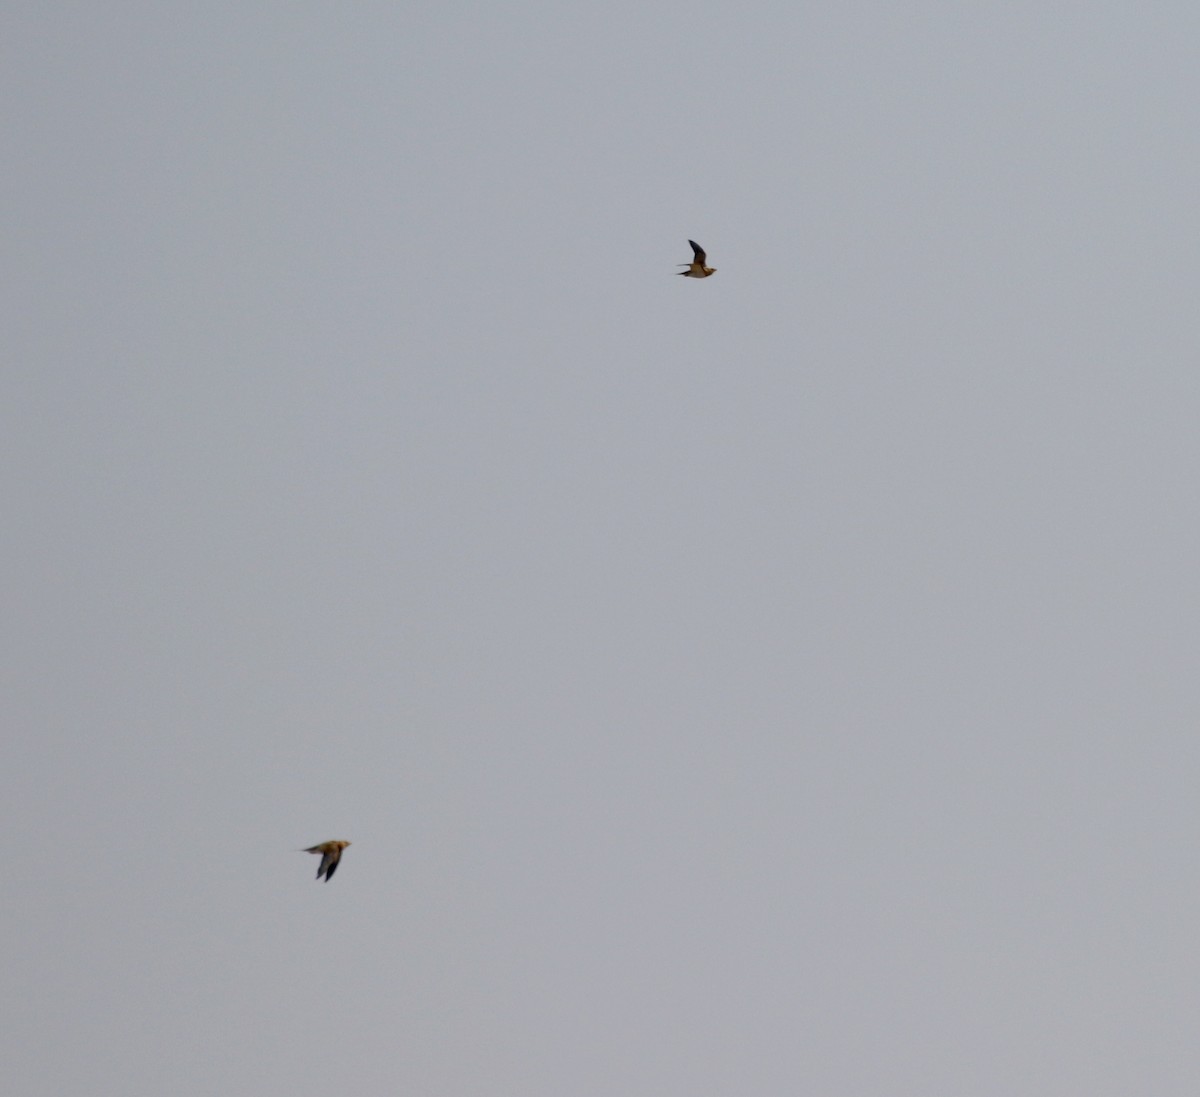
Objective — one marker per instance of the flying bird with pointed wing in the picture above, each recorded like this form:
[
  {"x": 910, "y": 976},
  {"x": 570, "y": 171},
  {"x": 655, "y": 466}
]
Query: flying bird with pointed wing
[
  {"x": 698, "y": 268},
  {"x": 331, "y": 854}
]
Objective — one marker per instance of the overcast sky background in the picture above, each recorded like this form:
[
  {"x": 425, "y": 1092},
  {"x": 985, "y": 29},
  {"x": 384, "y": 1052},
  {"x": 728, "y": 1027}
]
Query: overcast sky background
[{"x": 783, "y": 683}]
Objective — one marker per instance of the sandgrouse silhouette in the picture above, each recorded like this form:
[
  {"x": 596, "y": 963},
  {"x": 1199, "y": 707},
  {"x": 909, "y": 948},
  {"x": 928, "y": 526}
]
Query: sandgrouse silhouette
[
  {"x": 697, "y": 268},
  {"x": 331, "y": 854}
]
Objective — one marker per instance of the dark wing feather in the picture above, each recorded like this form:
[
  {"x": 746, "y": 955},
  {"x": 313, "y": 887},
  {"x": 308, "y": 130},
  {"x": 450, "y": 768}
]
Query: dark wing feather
[
  {"x": 332, "y": 868},
  {"x": 699, "y": 251}
]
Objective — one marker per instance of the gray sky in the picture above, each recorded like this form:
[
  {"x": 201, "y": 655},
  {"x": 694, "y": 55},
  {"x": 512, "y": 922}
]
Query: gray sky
[{"x": 783, "y": 683}]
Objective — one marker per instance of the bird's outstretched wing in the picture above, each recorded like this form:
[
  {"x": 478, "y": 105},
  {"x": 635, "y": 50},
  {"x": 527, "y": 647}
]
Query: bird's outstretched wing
[{"x": 699, "y": 252}]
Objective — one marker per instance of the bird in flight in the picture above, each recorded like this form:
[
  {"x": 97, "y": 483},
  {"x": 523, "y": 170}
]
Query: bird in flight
[
  {"x": 331, "y": 854},
  {"x": 697, "y": 268}
]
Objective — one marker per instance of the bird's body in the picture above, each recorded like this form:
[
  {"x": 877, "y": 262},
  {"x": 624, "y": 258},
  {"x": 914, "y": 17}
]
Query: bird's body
[
  {"x": 697, "y": 268},
  {"x": 331, "y": 854}
]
